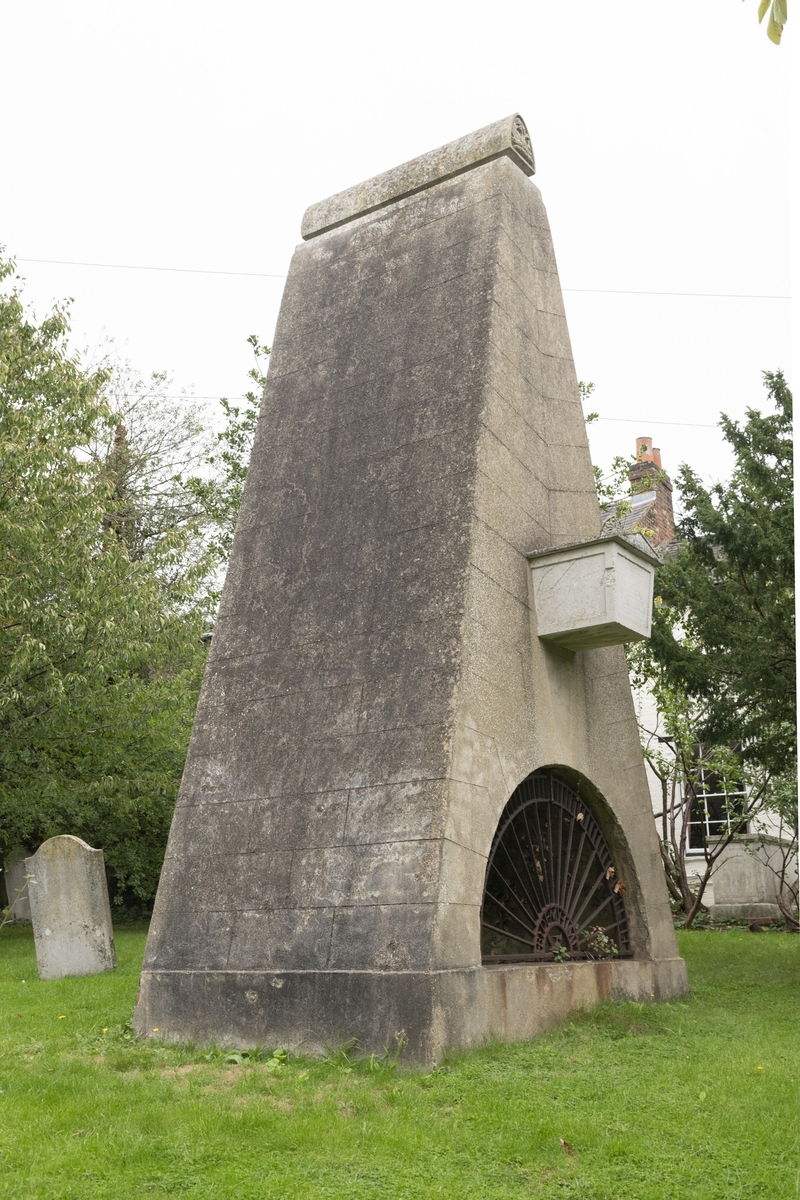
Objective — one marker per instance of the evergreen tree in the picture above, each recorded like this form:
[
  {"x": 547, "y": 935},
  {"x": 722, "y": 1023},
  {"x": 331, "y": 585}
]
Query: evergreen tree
[{"x": 723, "y": 627}]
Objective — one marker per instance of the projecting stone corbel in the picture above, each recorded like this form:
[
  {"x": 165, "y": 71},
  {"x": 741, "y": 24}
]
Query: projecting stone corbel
[{"x": 594, "y": 593}]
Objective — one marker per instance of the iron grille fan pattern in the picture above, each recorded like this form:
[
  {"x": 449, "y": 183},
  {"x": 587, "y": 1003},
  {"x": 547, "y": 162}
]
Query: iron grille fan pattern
[{"x": 552, "y": 891}]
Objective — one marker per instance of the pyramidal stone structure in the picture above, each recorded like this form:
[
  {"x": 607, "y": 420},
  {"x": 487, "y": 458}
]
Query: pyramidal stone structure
[{"x": 403, "y": 814}]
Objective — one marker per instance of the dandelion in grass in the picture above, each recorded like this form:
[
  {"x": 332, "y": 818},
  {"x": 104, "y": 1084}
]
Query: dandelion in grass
[{"x": 63, "y": 1017}]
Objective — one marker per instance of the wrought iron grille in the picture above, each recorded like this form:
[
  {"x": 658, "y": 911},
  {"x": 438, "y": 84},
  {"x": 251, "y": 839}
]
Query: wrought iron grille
[{"x": 552, "y": 892}]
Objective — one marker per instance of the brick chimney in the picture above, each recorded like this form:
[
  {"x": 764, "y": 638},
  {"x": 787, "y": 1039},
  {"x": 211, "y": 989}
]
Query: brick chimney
[{"x": 647, "y": 475}]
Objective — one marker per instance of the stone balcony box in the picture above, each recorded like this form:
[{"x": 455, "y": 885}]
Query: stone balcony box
[{"x": 594, "y": 593}]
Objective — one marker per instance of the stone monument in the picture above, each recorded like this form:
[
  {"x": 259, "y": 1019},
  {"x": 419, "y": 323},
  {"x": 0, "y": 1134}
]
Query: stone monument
[
  {"x": 69, "y": 909},
  {"x": 746, "y": 882},
  {"x": 403, "y": 813}
]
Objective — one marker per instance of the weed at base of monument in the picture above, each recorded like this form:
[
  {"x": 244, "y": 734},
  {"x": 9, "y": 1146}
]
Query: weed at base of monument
[
  {"x": 275, "y": 1062},
  {"x": 341, "y": 1054},
  {"x": 344, "y": 1055},
  {"x": 275, "y": 1059},
  {"x": 389, "y": 1059}
]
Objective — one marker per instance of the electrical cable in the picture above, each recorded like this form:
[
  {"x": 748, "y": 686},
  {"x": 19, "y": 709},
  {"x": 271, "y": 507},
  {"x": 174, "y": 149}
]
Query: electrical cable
[{"x": 62, "y": 262}]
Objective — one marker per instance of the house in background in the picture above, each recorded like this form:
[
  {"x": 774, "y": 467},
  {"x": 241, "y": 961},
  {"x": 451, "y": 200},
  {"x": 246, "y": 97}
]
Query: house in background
[
  {"x": 745, "y": 881},
  {"x": 651, "y": 510}
]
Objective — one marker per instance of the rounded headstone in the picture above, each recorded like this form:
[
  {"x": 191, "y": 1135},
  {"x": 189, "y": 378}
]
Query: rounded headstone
[{"x": 70, "y": 911}]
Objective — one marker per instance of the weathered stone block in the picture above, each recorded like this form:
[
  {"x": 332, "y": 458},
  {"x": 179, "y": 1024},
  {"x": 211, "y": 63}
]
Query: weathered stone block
[
  {"x": 395, "y": 812},
  {"x": 282, "y": 938},
  {"x": 383, "y": 937}
]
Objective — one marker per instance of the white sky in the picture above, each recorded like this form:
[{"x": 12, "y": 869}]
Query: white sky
[{"x": 194, "y": 135}]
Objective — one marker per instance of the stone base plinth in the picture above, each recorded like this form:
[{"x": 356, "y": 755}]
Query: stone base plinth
[
  {"x": 753, "y": 911},
  {"x": 430, "y": 1010}
]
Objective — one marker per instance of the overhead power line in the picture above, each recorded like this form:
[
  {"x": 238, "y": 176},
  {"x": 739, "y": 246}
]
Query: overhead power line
[
  {"x": 622, "y": 420},
  {"x": 707, "y": 295},
  {"x": 655, "y": 421},
  {"x": 62, "y": 262}
]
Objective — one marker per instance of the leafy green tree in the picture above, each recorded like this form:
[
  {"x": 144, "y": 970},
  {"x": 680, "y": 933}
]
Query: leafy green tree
[
  {"x": 154, "y": 442},
  {"x": 776, "y": 13},
  {"x": 117, "y": 509},
  {"x": 100, "y": 651},
  {"x": 218, "y": 492},
  {"x": 687, "y": 770},
  {"x": 723, "y": 626},
  {"x": 614, "y": 487},
  {"x": 720, "y": 666}
]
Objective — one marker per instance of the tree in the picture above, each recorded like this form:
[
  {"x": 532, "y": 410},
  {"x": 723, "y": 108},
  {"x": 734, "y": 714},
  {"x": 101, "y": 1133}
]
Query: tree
[
  {"x": 720, "y": 666},
  {"x": 614, "y": 486},
  {"x": 777, "y": 10},
  {"x": 218, "y": 493},
  {"x": 709, "y": 795},
  {"x": 100, "y": 651},
  {"x": 154, "y": 442},
  {"x": 723, "y": 626},
  {"x": 117, "y": 509}
]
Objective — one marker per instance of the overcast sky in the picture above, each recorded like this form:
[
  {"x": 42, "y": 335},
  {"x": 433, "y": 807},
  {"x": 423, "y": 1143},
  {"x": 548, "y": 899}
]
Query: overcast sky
[{"x": 194, "y": 135}]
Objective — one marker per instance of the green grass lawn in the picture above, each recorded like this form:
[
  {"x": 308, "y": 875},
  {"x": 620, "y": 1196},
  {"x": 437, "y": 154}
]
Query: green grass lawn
[{"x": 683, "y": 1101}]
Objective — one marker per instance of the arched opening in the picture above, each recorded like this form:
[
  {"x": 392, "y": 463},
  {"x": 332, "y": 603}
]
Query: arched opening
[{"x": 552, "y": 891}]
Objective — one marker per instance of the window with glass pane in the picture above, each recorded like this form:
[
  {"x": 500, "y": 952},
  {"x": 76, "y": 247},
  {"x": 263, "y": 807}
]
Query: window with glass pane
[{"x": 717, "y": 805}]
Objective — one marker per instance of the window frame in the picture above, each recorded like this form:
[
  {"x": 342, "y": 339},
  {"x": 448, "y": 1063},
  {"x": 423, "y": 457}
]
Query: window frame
[{"x": 700, "y": 812}]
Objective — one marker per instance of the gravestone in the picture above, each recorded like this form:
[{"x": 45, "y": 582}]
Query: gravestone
[
  {"x": 404, "y": 814},
  {"x": 747, "y": 879},
  {"x": 70, "y": 911},
  {"x": 16, "y": 887}
]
